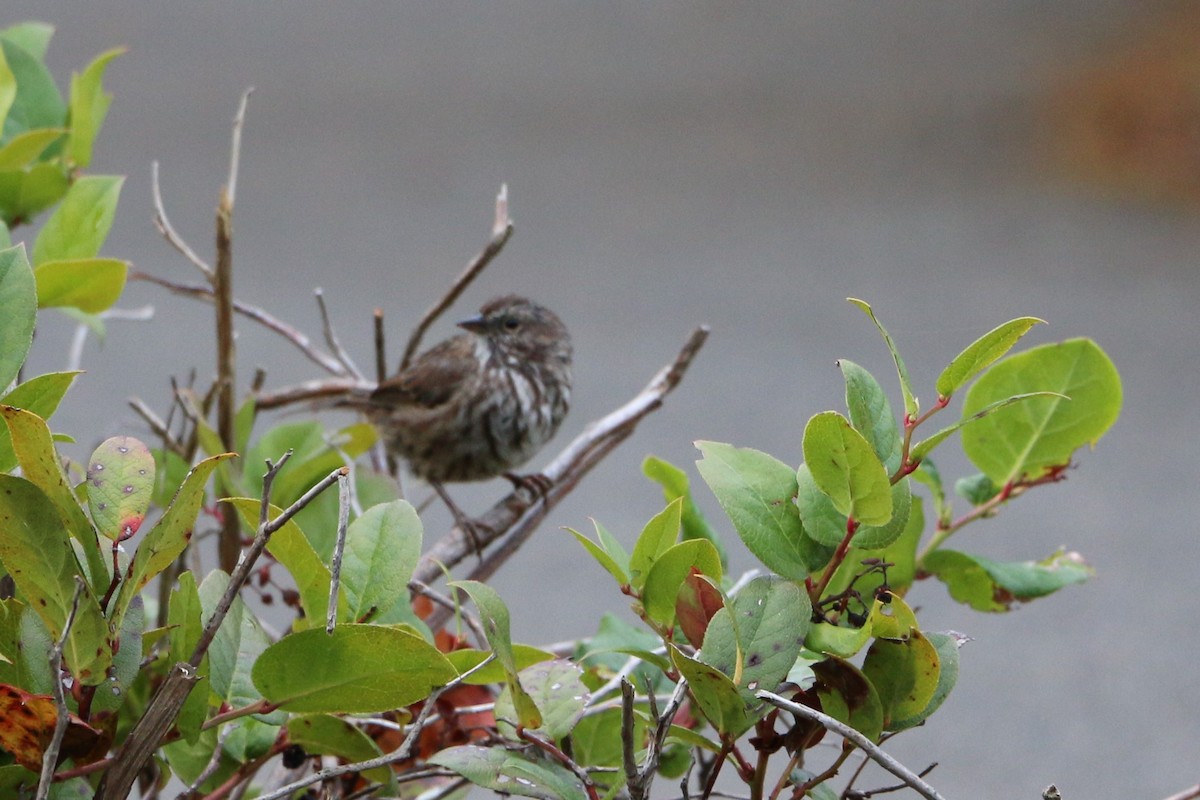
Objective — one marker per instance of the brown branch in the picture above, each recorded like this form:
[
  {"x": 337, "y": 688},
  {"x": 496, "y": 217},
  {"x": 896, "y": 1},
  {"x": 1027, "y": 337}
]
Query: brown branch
[
  {"x": 515, "y": 518},
  {"x": 308, "y": 391},
  {"x": 502, "y": 230},
  {"x": 158, "y": 426},
  {"x": 297, "y": 338},
  {"x": 235, "y": 146},
  {"x": 147, "y": 733}
]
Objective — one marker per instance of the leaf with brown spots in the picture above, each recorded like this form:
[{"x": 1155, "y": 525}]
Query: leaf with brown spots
[
  {"x": 120, "y": 481},
  {"x": 27, "y": 726}
]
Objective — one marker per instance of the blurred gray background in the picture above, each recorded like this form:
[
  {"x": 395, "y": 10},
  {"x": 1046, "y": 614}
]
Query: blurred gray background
[{"x": 745, "y": 166}]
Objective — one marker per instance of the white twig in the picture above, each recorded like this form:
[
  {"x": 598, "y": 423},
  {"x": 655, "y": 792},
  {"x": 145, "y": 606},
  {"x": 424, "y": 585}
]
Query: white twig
[
  {"x": 877, "y": 755},
  {"x": 339, "y": 546},
  {"x": 235, "y": 146}
]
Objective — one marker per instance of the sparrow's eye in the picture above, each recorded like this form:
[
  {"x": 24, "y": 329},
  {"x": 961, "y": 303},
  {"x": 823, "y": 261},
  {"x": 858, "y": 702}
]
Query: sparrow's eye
[{"x": 511, "y": 323}]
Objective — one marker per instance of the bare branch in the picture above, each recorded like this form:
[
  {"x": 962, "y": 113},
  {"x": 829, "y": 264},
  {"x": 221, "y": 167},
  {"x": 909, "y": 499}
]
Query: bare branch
[
  {"x": 62, "y": 714},
  {"x": 147, "y": 733},
  {"x": 308, "y": 391},
  {"x": 515, "y": 517},
  {"x": 235, "y": 145},
  {"x": 331, "y": 339},
  {"x": 380, "y": 347},
  {"x": 1186, "y": 794},
  {"x": 164, "y": 227},
  {"x": 339, "y": 545},
  {"x": 158, "y": 426},
  {"x": 846, "y": 732},
  {"x": 264, "y": 318},
  {"x": 502, "y": 230}
]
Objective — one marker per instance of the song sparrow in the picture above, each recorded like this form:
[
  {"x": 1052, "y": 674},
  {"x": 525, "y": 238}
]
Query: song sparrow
[{"x": 481, "y": 403}]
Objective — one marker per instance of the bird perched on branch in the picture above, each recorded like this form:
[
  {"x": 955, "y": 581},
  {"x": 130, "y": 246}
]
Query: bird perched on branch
[{"x": 479, "y": 404}]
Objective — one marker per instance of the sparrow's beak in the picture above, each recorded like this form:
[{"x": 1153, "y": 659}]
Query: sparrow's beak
[{"x": 475, "y": 324}]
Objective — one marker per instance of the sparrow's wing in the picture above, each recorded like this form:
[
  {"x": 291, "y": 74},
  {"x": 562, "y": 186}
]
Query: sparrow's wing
[{"x": 433, "y": 378}]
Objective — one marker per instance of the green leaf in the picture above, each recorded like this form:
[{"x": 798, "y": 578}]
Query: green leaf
[
  {"x": 356, "y": 669},
  {"x": 981, "y": 353},
  {"x": 37, "y": 103},
  {"x": 667, "y": 574},
  {"x": 510, "y": 772},
  {"x": 987, "y": 585},
  {"x": 89, "y": 284},
  {"x": 185, "y": 618},
  {"x": 18, "y": 311},
  {"x": 716, "y": 696},
  {"x": 24, "y": 193},
  {"x": 871, "y": 413},
  {"x": 126, "y": 662},
  {"x": 675, "y": 484},
  {"x": 946, "y": 645},
  {"x": 877, "y": 537},
  {"x": 911, "y": 407},
  {"x": 838, "y": 640},
  {"x": 657, "y": 537},
  {"x": 291, "y": 548},
  {"x": 88, "y": 106},
  {"x": 976, "y": 489},
  {"x": 844, "y": 466},
  {"x": 120, "y": 481},
  {"x": 1039, "y": 434},
  {"x": 768, "y": 621},
  {"x": 822, "y": 521},
  {"x": 31, "y": 36},
  {"x": 603, "y": 556},
  {"x": 523, "y": 654},
  {"x": 905, "y": 674},
  {"x": 757, "y": 491},
  {"x": 36, "y": 552},
  {"x": 900, "y": 554},
  {"x": 324, "y": 734},
  {"x": 493, "y": 613},
  {"x": 169, "y": 536},
  {"x": 25, "y": 148},
  {"x": 557, "y": 689},
  {"x": 77, "y": 229},
  {"x": 382, "y": 548},
  {"x": 848, "y": 696},
  {"x": 8, "y": 89},
  {"x": 39, "y": 395},
  {"x": 40, "y": 464},
  {"x": 925, "y": 447},
  {"x": 237, "y": 648}
]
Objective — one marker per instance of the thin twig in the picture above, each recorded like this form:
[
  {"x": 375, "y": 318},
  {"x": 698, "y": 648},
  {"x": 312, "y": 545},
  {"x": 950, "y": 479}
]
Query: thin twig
[
  {"x": 211, "y": 767},
  {"x": 62, "y": 714},
  {"x": 1186, "y": 794},
  {"x": 628, "y": 759},
  {"x": 235, "y": 145},
  {"x": 248, "y": 558},
  {"x": 380, "y": 347},
  {"x": 513, "y": 517},
  {"x": 401, "y": 753},
  {"x": 164, "y": 227},
  {"x": 306, "y": 392},
  {"x": 502, "y": 230},
  {"x": 339, "y": 545},
  {"x": 331, "y": 339},
  {"x": 158, "y": 426},
  {"x": 296, "y": 337},
  {"x": 846, "y": 732},
  {"x": 455, "y": 608}
]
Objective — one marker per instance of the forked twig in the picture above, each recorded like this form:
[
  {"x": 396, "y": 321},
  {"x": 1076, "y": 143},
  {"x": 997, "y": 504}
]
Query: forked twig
[
  {"x": 163, "y": 224},
  {"x": 502, "y": 230},
  {"x": 881, "y": 758}
]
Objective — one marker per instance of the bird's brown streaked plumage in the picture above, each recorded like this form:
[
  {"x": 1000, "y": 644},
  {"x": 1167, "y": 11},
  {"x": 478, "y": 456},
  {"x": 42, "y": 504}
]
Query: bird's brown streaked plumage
[{"x": 483, "y": 402}]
